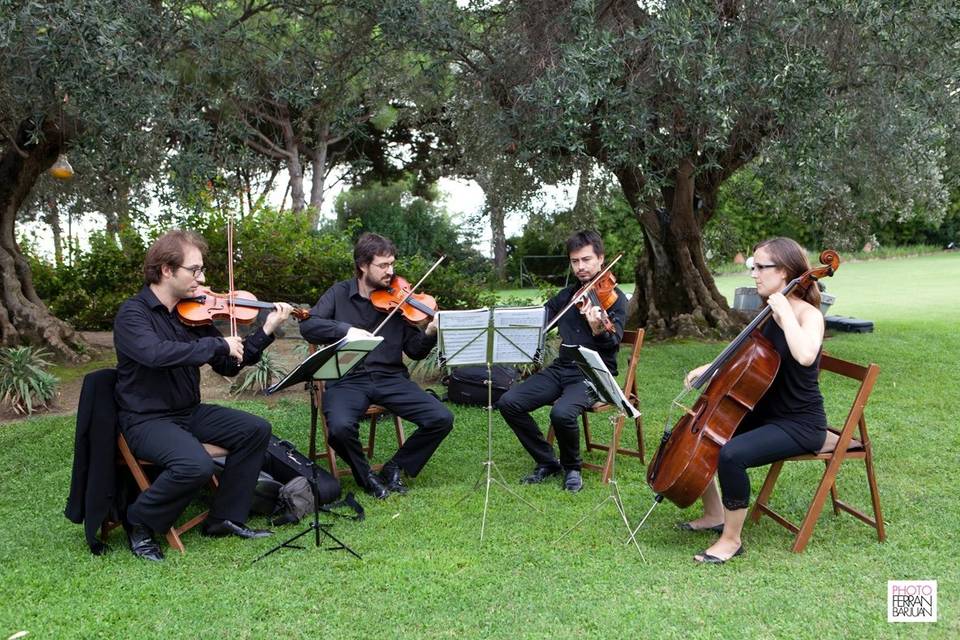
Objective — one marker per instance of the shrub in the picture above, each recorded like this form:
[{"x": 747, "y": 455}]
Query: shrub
[
  {"x": 452, "y": 287},
  {"x": 259, "y": 376},
  {"x": 24, "y": 382},
  {"x": 278, "y": 257}
]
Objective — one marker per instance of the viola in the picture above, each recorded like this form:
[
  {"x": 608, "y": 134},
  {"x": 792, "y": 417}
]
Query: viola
[
  {"x": 415, "y": 307},
  {"x": 601, "y": 293},
  {"x": 736, "y": 380},
  {"x": 240, "y": 307}
]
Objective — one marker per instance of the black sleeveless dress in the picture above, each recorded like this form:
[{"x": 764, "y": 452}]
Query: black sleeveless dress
[{"x": 794, "y": 402}]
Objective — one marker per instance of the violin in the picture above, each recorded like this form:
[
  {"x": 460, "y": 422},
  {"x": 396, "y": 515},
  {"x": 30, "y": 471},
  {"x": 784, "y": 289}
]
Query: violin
[
  {"x": 602, "y": 294},
  {"x": 415, "y": 307},
  {"x": 736, "y": 380},
  {"x": 240, "y": 307},
  {"x": 594, "y": 294}
]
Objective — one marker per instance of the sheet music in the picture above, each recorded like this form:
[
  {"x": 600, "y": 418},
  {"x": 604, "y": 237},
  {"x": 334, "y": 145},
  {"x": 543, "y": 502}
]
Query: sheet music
[
  {"x": 329, "y": 362},
  {"x": 518, "y": 333},
  {"x": 603, "y": 382},
  {"x": 463, "y": 336},
  {"x": 349, "y": 354}
]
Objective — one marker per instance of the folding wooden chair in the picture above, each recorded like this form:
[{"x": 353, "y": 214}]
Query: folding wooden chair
[
  {"x": 635, "y": 340},
  {"x": 839, "y": 446},
  {"x": 136, "y": 467},
  {"x": 316, "y": 390}
]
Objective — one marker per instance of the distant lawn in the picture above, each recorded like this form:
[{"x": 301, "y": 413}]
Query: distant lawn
[{"x": 425, "y": 574}]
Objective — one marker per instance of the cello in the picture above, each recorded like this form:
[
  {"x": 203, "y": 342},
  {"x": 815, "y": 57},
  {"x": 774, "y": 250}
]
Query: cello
[{"x": 736, "y": 380}]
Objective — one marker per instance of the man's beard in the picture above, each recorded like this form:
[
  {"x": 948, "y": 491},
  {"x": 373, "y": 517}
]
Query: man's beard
[{"x": 373, "y": 283}]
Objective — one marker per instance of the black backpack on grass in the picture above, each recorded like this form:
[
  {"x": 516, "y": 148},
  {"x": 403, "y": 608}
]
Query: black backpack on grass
[{"x": 283, "y": 489}]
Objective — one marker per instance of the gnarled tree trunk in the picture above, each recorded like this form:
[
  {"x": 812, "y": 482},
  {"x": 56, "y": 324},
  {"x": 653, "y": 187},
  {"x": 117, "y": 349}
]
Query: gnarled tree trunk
[
  {"x": 675, "y": 292},
  {"x": 24, "y": 318}
]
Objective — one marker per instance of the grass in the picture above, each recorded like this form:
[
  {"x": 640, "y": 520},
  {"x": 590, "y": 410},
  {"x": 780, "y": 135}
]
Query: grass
[{"x": 425, "y": 573}]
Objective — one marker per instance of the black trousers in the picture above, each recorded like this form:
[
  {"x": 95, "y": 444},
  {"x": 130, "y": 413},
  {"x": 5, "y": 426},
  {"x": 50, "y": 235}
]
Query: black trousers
[
  {"x": 564, "y": 386},
  {"x": 345, "y": 402},
  {"x": 174, "y": 443},
  {"x": 753, "y": 446}
]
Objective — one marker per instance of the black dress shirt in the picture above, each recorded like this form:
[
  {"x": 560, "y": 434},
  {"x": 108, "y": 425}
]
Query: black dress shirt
[
  {"x": 342, "y": 307},
  {"x": 575, "y": 330},
  {"x": 159, "y": 358}
]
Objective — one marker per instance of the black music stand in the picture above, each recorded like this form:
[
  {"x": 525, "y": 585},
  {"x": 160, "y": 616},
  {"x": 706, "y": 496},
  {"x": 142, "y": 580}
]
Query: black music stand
[
  {"x": 327, "y": 363},
  {"x": 491, "y": 336},
  {"x": 604, "y": 386}
]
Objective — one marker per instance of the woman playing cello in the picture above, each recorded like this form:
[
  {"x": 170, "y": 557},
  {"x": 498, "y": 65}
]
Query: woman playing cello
[{"x": 789, "y": 420}]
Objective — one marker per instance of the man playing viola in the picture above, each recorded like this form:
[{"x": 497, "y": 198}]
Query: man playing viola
[
  {"x": 562, "y": 383},
  {"x": 382, "y": 378},
  {"x": 158, "y": 399}
]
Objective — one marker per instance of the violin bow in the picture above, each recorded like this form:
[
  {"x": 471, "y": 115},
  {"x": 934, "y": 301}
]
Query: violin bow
[
  {"x": 410, "y": 293},
  {"x": 575, "y": 299},
  {"x": 230, "y": 289}
]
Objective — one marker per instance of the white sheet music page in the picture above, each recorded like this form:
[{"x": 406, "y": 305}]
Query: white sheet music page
[
  {"x": 463, "y": 338},
  {"x": 611, "y": 388},
  {"x": 518, "y": 333}
]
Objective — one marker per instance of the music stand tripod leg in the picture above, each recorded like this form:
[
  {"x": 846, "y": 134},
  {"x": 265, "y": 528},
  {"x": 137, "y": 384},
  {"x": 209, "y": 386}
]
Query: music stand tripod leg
[
  {"x": 316, "y": 527},
  {"x": 613, "y": 496}
]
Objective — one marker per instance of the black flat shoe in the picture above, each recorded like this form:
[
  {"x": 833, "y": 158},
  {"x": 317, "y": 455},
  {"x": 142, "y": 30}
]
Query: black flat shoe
[
  {"x": 686, "y": 526},
  {"x": 541, "y": 472},
  {"x": 390, "y": 474},
  {"x": 709, "y": 559},
  {"x": 142, "y": 543},
  {"x": 229, "y": 528}
]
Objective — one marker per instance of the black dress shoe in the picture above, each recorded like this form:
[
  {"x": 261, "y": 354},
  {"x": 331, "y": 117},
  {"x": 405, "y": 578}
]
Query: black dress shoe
[
  {"x": 221, "y": 528},
  {"x": 572, "y": 481},
  {"x": 142, "y": 543},
  {"x": 540, "y": 473},
  {"x": 375, "y": 487},
  {"x": 390, "y": 474}
]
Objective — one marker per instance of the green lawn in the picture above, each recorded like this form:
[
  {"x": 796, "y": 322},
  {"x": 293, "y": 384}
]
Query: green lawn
[{"x": 424, "y": 572}]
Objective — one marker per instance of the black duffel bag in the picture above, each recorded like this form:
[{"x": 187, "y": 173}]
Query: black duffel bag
[
  {"x": 468, "y": 385},
  {"x": 284, "y": 463}
]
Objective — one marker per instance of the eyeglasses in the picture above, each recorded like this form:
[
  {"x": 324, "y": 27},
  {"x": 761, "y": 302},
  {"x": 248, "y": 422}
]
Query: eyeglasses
[
  {"x": 197, "y": 271},
  {"x": 383, "y": 266},
  {"x": 760, "y": 267}
]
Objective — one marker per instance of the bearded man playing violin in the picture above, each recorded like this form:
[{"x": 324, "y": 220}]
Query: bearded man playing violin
[
  {"x": 562, "y": 383},
  {"x": 158, "y": 399},
  {"x": 345, "y": 309}
]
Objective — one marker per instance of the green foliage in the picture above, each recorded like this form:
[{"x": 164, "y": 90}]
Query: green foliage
[
  {"x": 25, "y": 383},
  {"x": 546, "y": 235},
  {"x": 421, "y": 232},
  {"x": 277, "y": 256},
  {"x": 621, "y": 232},
  {"x": 747, "y": 214},
  {"x": 451, "y": 285},
  {"x": 920, "y": 230},
  {"x": 260, "y": 376},
  {"x": 88, "y": 293},
  {"x": 415, "y": 224}
]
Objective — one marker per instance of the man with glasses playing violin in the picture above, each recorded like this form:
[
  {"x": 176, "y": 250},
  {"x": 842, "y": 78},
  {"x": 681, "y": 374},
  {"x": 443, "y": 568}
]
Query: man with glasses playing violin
[
  {"x": 158, "y": 399},
  {"x": 562, "y": 383},
  {"x": 345, "y": 309}
]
